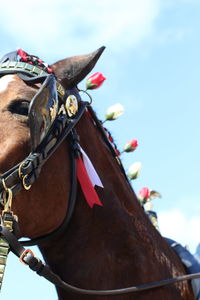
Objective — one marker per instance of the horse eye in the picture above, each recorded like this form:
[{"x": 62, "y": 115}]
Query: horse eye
[{"x": 19, "y": 107}]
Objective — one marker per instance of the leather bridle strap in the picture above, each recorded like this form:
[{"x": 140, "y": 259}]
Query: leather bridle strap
[
  {"x": 35, "y": 264},
  {"x": 33, "y": 163},
  {"x": 72, "y": 199}
]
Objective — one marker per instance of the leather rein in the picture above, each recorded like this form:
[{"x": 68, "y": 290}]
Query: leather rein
[{"x": 23, "y": 175}]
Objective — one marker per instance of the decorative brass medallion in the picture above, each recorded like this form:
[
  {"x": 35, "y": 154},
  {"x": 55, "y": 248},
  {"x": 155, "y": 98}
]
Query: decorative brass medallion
[{"x": 71, "y": 105}]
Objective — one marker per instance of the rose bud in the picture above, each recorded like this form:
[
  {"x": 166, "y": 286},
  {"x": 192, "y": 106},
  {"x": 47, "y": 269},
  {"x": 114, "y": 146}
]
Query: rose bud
[
  {"x": 130, "y": 146},
  {"x": 134, "y": 170},
  {"x": 95, "y": 81},
  {"x": 114, "y": 111},
  {"x": 144, "y": 195}
]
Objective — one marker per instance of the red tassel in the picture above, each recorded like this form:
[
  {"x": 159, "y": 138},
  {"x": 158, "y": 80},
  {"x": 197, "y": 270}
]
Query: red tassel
[{"x": 86, "y": 185}]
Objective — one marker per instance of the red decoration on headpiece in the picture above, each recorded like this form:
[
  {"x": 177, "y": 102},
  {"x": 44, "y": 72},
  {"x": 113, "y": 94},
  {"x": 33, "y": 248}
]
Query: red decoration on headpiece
[
  {"x": 34, "y": 60},
  {"x": 23, "y": 55},
  {"x": 86, "y": 184}
]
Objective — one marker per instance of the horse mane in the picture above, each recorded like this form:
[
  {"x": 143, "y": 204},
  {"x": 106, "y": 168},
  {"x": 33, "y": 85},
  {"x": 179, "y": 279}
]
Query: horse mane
[{"x": 120, "y": 230}]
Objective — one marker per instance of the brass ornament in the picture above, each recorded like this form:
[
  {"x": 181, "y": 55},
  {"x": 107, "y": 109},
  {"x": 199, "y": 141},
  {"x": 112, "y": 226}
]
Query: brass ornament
[
  {"x": 71, "y": 105},
  {"x": 60, "y": 89},
  {"x": 23, "y": 177},
  {"x": 25, "y": 185},
  {"x": 53, "y": 110}
]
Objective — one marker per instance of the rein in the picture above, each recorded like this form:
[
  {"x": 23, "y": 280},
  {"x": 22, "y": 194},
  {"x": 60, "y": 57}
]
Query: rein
[
  {"x": 27, "y": 257},
  {"x": 23, "y": 175}
]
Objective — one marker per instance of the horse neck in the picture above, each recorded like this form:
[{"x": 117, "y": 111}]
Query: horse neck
[{"x": 114, "y": 245}]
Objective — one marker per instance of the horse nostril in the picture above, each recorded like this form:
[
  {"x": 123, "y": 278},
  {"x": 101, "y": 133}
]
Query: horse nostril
[{"x": 19, "y": 107}]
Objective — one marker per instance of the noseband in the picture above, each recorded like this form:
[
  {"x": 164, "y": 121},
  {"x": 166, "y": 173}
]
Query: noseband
[{"x": 53, "y": 114}]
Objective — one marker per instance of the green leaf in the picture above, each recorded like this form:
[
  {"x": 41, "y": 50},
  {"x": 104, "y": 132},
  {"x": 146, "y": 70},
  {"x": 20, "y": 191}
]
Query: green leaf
[{"x": 154, "y": 194}]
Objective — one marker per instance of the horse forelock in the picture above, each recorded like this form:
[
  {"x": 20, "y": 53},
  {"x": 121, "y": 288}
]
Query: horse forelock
[
  {"x": 13, "y": 87},
  {"x": 5, "y": 81}
]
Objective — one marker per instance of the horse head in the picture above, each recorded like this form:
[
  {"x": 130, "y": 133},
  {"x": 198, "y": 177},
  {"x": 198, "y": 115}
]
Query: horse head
[{"x": 31, "y": 98}]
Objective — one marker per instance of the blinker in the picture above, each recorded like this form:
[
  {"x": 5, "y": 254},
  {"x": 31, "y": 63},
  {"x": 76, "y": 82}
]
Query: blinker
[{"x": 43, "y": 110}]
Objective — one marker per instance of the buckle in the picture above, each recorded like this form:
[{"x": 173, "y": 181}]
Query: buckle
[
  {"x": 22, "y": 176},
  {"x": 24, "y": 254}
]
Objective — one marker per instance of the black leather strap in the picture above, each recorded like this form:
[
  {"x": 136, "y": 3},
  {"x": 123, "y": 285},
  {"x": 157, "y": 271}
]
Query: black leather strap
[
  {"x": 43, "y": 270},
  {"x": 32, "y": 80},
  {"x": 34, "y": 162},
  {"x": 72, "y": 199}
]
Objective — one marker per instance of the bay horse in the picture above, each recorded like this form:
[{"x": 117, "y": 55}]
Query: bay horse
[{"x": 108, "y": 246}]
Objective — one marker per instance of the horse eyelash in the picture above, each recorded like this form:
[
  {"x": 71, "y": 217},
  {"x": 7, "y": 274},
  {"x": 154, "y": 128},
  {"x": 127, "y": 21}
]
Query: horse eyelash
[{"x": 19, "y": 106}]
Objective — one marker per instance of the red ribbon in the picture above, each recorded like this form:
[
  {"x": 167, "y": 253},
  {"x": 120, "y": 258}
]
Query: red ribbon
[{"x": 86, "y": 185}]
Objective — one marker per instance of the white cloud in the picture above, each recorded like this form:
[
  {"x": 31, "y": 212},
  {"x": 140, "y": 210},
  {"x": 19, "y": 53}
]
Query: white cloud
[
  {"x": 176, "y": 225},
  {"x": 71, "y": 24}
]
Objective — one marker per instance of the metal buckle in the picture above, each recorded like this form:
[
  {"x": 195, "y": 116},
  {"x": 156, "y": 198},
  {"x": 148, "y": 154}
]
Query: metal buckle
[
  {"x": 26, "y": 187},
  {"x": 7, "y": 198},
  {"x": 23, "y": 177},
  {"x": 24, "y": 254}
]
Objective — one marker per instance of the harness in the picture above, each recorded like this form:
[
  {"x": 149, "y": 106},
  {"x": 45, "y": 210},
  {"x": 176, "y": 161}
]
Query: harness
[{"x": 53, "y": 114}]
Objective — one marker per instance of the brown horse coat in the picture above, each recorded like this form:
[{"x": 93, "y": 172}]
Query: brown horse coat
[{"x": 113, "y": 246}]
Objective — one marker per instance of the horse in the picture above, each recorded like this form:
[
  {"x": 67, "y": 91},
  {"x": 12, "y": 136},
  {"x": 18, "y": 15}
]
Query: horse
[{"x": 110, "y": 245}]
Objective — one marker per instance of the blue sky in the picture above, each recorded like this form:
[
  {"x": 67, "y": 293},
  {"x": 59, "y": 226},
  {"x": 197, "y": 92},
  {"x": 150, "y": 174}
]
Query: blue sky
[{"x": 152, "y": 68}]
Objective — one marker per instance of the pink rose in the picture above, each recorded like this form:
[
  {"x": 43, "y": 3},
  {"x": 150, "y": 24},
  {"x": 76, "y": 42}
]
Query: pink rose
[
  {"x": 144, "y": 194},
  {"x": 95, "y": 81}
]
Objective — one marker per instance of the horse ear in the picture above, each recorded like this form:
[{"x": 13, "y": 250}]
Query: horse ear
[{"x": 72, "y": 70}]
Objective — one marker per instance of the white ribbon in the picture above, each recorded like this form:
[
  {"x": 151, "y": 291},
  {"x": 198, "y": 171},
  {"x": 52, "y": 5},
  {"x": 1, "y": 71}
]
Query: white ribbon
[{"x": 94, "y": 177}]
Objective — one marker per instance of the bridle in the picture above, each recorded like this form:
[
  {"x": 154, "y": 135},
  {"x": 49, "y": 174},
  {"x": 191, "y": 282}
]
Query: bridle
[{"x": 61, "y": 122}]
